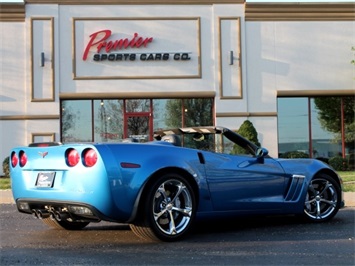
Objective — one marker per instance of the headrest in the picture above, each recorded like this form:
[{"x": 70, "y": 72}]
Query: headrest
[
  {"x": 174, "y": 139},
  {"x": 130, "y": 140}
]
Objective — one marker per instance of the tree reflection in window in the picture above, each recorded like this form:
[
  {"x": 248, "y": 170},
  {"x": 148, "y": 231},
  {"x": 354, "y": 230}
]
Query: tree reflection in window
[
  {"x": 330, "y": 114},
  {"x": 76, "y": 121},
  {"x": 331, "y": 121},
  {"x": 108, "y": 126}
]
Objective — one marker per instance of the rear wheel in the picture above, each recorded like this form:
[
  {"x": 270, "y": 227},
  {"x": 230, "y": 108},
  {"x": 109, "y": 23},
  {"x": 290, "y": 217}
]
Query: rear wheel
[
  {"x": 323, "y": 199},
  {"x": 169, "y": 210},
  {"x": 64, "y": 224}
]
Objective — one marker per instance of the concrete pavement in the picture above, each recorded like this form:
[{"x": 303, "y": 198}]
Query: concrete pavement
[{"x": 6, "y": 198}]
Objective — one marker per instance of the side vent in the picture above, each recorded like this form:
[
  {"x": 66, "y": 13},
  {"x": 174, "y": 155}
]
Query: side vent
[
  {"x": 201, "y": 158},
  {"x": 295, "y": 187}
]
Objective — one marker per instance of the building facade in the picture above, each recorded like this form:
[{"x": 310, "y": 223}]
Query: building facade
[{"x": 105, "y": 70}]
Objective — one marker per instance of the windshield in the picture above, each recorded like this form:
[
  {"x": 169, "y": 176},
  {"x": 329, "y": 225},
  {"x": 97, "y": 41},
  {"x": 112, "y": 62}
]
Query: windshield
[{"x": 220, "y": 140}]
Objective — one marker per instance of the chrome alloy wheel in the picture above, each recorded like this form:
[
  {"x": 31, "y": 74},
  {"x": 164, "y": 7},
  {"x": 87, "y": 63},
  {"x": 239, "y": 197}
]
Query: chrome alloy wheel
[
  {"x": 172, "y": 207},
  {"x": 322, "y": 199}
]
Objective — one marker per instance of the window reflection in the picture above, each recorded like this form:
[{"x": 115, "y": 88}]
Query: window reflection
[
  {"x": 197, "y": 112},
  {"x": 138, "y": 128},
  {"x": 332, "y": 127},
  {"x": 76, "y": 121},
  {"x": 172, "y": 113},
  {"x": 293, "y": 132},
  {"x": 108, "y": 120},
  {"x": 324, "y": 142},
  {"x": 137, "y": 105}
]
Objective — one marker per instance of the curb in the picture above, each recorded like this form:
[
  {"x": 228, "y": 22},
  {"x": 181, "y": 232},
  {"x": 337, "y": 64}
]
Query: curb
[{"x": 6, "y": 198}]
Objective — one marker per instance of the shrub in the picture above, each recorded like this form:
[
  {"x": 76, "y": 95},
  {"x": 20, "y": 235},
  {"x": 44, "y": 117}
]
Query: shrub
[
  {"x": 248, "y": 131},
  {"x": 294, "y": 154},
  {"x": 6, "y": 166},
  {"x": 338, "y": 163}
]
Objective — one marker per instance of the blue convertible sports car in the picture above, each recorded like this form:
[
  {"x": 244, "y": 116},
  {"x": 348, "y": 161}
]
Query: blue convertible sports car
[{"x": 161, "y": 187}]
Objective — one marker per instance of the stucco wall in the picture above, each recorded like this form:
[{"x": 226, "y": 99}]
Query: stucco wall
[{"x": 277, "y": 58}]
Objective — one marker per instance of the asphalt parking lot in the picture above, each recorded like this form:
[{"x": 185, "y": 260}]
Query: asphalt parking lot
[
  {"x": 265, "y": 241},
  {"x": 273, "y": 240}
]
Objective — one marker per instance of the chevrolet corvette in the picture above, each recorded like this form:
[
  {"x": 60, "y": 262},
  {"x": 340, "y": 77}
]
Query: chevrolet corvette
[{"x": 162, "y": 187}]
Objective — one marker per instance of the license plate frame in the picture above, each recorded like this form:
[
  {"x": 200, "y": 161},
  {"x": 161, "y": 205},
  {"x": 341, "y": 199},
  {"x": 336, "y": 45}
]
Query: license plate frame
[{"x": 45, "y": 179}]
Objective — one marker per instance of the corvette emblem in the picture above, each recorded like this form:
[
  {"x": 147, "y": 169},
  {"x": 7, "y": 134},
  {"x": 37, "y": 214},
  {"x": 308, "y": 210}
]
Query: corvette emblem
[{"x": 43, "y": 154}]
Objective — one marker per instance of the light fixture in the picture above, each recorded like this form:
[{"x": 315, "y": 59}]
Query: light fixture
[{"x": 41, "y": 60}]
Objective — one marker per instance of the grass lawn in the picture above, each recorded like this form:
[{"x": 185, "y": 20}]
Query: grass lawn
[
  {"x": 348, "y": 180},
  {"x": 5, "y": 183}
]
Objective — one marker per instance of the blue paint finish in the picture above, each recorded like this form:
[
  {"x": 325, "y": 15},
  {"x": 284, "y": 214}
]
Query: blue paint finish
[{"x": 227, "y": 184}]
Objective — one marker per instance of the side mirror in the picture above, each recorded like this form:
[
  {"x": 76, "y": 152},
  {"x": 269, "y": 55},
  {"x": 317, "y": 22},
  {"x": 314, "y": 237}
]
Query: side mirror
[{"x": 261, "y": 152}]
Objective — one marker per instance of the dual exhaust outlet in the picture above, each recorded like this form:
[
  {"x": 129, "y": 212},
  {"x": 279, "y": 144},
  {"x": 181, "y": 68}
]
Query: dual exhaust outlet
[{"x": 53, "y": 214}]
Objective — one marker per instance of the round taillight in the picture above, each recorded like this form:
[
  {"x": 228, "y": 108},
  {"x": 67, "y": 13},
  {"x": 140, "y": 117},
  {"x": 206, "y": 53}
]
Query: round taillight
[
  {"x": 73, "y": 157},
  {"x": 23, "y": 158},
  {"x": 14, "y": 159},
  {"x": 90, "y": 157}
]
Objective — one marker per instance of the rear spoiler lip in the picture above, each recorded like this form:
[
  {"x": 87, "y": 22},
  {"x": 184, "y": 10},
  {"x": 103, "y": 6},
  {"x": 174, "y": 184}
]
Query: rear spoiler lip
[{"x": 45, "y": 144}]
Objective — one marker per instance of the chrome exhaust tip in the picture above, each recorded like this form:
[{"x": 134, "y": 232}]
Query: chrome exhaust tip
[
  {"x": 43, "y": 214},
  {"x": 35, "y": 214},
  {"x": 52, "y": 215}
]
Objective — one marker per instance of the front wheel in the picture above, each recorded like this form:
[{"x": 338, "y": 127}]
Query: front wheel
[
  {"x": 323, "y": 199},
  {"x": 169, "y": 210}
]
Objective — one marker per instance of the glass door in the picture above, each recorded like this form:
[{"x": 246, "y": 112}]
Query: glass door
[
  {"x": 138, "y": 122},
  {"x": 137, "y": 126}
]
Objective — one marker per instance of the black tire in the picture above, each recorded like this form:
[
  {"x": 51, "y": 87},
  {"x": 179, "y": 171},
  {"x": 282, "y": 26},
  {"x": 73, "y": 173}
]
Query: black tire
[
  {"x": 323, "y": 199},
  {"x": 169, "y": 210},
  {"x": 64, "y": 224}
]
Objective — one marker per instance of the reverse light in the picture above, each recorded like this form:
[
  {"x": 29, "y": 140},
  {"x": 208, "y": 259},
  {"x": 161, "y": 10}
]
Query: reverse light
[
  {"x": 23, "y": 206},
  {"x": 89, "y": 157},
  {"x": 14, "y": 159},
  {"x": 72, "y": 157},
  {"x": 23, "y": 158}
]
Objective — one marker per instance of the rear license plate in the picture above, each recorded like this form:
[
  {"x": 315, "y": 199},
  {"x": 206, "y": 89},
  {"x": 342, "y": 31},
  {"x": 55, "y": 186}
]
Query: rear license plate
[{"x": 45, "y": 179}]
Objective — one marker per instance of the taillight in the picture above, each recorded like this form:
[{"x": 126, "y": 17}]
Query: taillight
[
  {"x": 72, "y": 157},
  {"x": 89, "y": 157},
  {"x": 23, "y": 158},
  {"x": 14, "y": 159}
]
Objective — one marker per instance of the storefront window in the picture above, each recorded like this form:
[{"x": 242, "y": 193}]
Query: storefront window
[
  {"x": 293, "y": 130},
  {"x": 163, "y": 113},
  {"x": 168, "y": 113},
  {"x": 76, "y": 122},
  {"x": 111, "y": 120},
  {"x": 137, "y": 105},
  {"x": 325, "y": 143},
  {"x": 197, "y": 112},
  {"x": 108, "y": 120},
  {"x": 321, "y": 127}
]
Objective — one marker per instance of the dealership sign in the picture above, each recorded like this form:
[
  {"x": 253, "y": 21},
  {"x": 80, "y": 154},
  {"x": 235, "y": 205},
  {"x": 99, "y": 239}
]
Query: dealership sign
[
  {"x": 106, "y": 48},
  {"x": 121, "y": 49}
]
